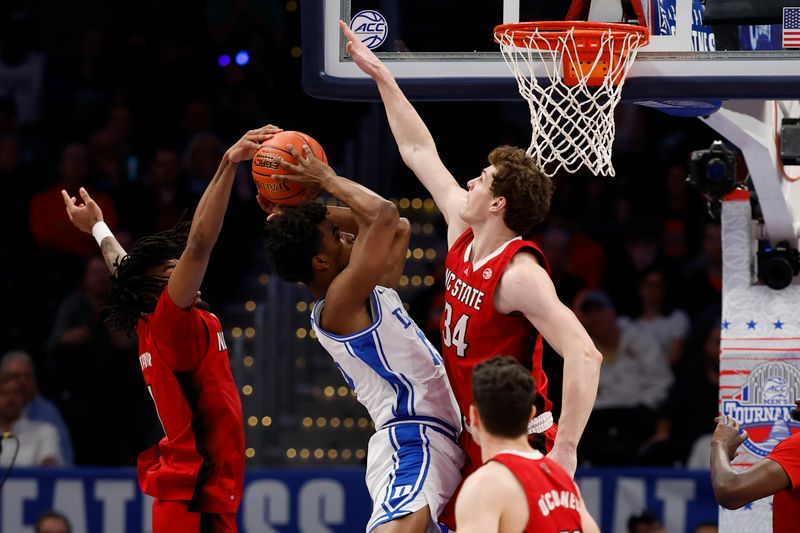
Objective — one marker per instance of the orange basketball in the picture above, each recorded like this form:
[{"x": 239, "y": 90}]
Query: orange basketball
[{"x": 267, "y": 172}]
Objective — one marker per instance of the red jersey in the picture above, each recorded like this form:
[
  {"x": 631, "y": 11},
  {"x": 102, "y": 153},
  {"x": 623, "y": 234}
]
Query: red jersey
[
  {"x": 186, "y": 368},
  {"x": 553, "y": 501},
  {"x": 473, "y": 330},
  {"x": 786, "y": 503}
]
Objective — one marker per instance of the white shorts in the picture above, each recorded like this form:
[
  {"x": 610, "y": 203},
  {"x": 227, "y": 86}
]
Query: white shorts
[{"x": 410, "y": 466}]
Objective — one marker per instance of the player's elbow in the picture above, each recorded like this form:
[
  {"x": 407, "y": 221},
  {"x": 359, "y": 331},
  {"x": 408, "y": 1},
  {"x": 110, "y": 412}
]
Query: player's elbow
[
  {"x": 730, "y": 495},
  {"x": 591, "y": 356}
]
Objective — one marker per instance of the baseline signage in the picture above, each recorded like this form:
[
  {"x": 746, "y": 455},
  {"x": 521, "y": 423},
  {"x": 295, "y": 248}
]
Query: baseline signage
[{"x": 324, "y": 501}]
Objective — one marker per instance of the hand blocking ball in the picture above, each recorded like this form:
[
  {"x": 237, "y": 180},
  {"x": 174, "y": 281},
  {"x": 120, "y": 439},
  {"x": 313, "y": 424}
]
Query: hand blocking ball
[{"x": 267, "y": 172}]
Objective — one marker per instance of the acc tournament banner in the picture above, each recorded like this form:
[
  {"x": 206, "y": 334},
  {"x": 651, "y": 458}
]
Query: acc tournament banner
[
  {"x": 325, "y": 501},
  {"x": 759, "y": 357}
]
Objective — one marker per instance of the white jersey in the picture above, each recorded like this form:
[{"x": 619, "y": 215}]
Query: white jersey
[{"x": 393, "y": 369}]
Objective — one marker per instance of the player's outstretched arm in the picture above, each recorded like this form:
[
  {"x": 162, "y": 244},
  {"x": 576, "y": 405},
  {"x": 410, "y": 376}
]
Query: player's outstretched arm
[
  {"x": 734, "y": 489},
  {"x": 414, "y": 141},
  {"x": 88, "y": 217},
  {"x": 207, "y": 222},
  {"x": 527, "y": 288},
  {"x": 377, "y": 220}
]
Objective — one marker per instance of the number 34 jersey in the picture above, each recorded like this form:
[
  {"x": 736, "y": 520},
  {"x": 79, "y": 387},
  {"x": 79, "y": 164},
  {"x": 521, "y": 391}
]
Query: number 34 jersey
[{"x": 472, "y": 329}]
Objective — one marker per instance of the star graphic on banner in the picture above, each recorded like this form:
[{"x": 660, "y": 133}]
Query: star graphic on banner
[
  {"x": 725, "y": 324},
  {"x": 748, "y": 507},
  {"x": 778, "y": 324},
  {"x": 752, "y": 324}
]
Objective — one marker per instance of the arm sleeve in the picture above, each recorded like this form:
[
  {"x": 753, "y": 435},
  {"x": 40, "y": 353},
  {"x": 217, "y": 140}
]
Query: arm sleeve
[
  {"x": 787, "y": 454},
  {"x": 179, "y": 334}
]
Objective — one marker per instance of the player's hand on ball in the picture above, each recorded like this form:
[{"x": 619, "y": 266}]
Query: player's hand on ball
[
  {"x": 270, "y": 208},
  {"x": 246, "y": 147},
  {"x": 362, "y": 56},
  {"x": 729, "y": 433},
  {"x": 309, "y": 170},
  {"x": 84, "y": 215}
]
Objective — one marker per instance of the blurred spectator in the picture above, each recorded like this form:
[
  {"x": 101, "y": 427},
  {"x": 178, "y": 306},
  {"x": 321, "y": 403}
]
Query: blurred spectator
[
  {"x": 634, "y": 382},
  {"x": 555, "y": 243},
  {"x": 699, "y": 454},
  {"x": 51, "y": 228},
  {"x": 21, "y": 68},
  {"x": 627, "y": 259},
  {"x": 19, "y": 365},
  {"x": 657, "y": 315},
  {"x": 693, "y": 400},
  {"x": 682, "y": 215},
  {"x": 37, "y": 442},
  {"x": 201, "y": 158},
  {"x": 168, "y": 195},
  {"x": 95, "y": 374},
  {"x": 52, "y": 522},
  {"x": 645, "y": 522},
  {"x": 702, "y": 287}
]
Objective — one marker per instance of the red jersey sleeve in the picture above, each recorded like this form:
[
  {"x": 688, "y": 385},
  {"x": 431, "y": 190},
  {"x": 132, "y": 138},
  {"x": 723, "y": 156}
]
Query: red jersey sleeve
[
  {"x": 787, "y": 454},
  {"x": 179, "y": 334}
]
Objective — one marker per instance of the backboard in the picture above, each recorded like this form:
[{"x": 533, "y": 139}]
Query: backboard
[{"x": 444, "y": 50}]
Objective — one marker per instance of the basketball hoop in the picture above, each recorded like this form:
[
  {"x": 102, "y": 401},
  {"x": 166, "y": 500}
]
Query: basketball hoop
[{"x": 586, "y": 64}]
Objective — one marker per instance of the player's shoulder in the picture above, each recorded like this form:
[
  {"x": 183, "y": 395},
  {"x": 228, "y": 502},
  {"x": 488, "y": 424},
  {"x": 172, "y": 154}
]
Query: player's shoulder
[
  {"x": 494, "y": 474},
  {"x": 524, "y": 268}
]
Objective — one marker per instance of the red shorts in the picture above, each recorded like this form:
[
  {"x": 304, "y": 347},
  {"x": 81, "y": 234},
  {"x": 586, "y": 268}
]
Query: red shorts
[
  {"x": 473, "y": 462},
  {"x": 173, "y": 516}
]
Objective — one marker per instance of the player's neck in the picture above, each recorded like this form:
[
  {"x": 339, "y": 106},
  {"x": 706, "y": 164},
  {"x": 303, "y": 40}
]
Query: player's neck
[
  {"x": 488, "y": 238},
  {"x": 491, "y": 445}
]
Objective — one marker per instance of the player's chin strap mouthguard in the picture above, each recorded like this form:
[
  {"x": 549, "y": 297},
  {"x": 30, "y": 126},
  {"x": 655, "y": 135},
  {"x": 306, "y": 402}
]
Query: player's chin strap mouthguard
[
  {"x": 537, "y": 424},
  {"x": 540, "y": 423}
]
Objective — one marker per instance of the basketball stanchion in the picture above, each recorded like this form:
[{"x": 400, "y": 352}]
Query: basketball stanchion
[{"x": 571, "y": 74}]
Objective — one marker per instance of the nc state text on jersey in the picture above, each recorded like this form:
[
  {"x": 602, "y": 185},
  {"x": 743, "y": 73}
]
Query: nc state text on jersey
[{"x": 462, "y": 291}]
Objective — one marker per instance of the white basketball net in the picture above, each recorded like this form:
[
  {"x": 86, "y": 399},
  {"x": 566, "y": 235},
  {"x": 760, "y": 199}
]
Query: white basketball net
[{"x": 573, "y": 125}]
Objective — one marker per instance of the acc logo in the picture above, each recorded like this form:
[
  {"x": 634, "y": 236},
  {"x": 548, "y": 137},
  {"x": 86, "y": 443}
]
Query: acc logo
[
  {"x": 763, "y": 405},
  {"x": 371, "y": 28},
  {"x": 487, "y": 273}
]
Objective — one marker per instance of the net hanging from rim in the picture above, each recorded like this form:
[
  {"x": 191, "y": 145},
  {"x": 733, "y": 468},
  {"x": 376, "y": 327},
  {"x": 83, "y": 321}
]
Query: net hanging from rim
[{"x": 583, "y": 66}]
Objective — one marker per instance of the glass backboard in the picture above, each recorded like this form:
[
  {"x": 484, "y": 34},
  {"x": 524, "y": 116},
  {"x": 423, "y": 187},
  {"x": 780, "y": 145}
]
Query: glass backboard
[{"x": 444, "y": 49}]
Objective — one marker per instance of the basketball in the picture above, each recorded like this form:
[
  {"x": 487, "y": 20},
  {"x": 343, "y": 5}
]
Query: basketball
[{"x": 267, "y": 171}]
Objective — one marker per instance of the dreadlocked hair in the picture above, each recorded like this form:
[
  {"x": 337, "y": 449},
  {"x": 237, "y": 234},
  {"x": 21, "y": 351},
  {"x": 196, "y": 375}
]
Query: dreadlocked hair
[
  {"x": 293, "y": 239},
  {"x": 134, "y": 289}
]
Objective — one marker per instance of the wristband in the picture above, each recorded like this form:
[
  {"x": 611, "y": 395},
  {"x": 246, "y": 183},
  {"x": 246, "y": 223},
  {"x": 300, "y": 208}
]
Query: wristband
[{"x": 100, "y": 231}]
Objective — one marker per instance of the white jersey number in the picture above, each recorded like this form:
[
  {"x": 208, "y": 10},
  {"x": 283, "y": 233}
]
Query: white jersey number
[{"x": 459, "y": 332}]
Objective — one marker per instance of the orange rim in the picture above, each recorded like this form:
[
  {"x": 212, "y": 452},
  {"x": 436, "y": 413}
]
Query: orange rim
[{"x": 526, "y": 34}]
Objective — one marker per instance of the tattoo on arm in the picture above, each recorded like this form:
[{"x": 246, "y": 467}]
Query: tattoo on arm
[{"x": 112, "y": 253}]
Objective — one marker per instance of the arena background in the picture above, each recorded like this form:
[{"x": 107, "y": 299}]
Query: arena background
[{"x": 138, "y": 101}]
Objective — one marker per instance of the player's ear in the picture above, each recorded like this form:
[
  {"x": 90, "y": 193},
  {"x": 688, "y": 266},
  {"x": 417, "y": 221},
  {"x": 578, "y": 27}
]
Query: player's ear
[
  {"x": 320, "y": 263},
  {"x": 533, "y": 412},
  {"x": 474, "y": 417},
  {"x": 498, "y": 203}
]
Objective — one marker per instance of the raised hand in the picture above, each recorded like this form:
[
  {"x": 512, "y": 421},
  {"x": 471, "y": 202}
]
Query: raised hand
[
  {"x": 362, "y": 56},
  {"x": 309, "y": 170},
  {"x": 246, "y": 147},
  {"x": 85, "y": 215}
]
